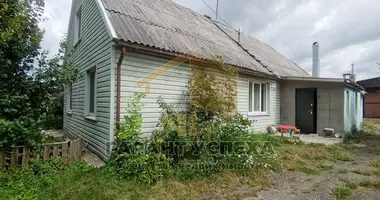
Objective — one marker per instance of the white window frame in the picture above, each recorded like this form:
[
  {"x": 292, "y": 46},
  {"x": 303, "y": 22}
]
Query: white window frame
[
  {"x": 90, "y": 115},
  {"x": 78, "y": 26},
  {"x": 70, "y": 99},
  {"x": 253, "y": 112}
]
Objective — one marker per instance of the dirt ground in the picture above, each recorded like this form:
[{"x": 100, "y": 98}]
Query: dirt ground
[{"x": 354, "y": 179}]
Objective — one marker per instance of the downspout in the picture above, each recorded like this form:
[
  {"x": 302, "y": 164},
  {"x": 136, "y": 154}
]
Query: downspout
[{"x": 118, "y": 86}]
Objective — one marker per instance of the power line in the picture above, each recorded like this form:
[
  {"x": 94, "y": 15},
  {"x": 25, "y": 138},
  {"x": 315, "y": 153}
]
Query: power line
[
  {"x": 217, "y": 14},
  {"x": 217, "y": 9}
]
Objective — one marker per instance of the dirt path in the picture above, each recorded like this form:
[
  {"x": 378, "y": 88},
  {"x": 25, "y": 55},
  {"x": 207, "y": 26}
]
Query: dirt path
[{"x": 355, "y": 179}]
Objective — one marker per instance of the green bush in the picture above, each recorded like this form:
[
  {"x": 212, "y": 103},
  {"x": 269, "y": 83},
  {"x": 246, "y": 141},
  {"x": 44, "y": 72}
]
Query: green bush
[
  {"x": 146, "y": 168},
  {"x": 131, "y": 157},
  {"x": 19, "y": 132},
  {"x": 128, "y": 137},
  {"x": 221, "y": 143}
]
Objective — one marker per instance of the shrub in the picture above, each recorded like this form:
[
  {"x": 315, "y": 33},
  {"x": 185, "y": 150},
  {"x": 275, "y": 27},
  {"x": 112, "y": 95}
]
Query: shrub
[
  {"x": 19, "y": 132},
  {"x": 131, "y": 158},
  {"x": 128, "y": 138},
  {"x": 147, "y": 168},
  {"x": 221, "y": 143}
]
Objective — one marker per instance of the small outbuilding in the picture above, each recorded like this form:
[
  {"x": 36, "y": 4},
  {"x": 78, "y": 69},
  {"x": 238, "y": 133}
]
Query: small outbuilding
[
  {"x": 372, "y": 99},
  {"x": 313, "y": 104}
]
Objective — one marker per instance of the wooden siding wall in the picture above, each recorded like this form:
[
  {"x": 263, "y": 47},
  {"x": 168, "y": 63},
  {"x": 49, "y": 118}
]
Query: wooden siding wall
[
  {"x": 93, "y": 50},
  {"x": 174, "y": 83},
  {"x": 372, "y": 103},
  {"x": 262, "y": 121}
]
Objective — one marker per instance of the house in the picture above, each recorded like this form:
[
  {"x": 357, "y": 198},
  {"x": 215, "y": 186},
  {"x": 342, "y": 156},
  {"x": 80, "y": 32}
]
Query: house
[
  {"x": 372, "y": 99},
  {"x": 150, "y": 46}
]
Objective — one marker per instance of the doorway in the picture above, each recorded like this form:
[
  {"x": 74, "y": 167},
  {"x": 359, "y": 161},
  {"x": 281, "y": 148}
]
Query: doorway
[{"x": 306, "y": 110}]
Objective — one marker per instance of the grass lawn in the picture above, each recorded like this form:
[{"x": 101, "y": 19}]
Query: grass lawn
[
  {"x": 92, "y": 183},
  {"x": 79, "y": 181}
]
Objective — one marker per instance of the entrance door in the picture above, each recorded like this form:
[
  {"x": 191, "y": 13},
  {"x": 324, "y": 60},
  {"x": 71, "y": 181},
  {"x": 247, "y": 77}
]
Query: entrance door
[{"x": 306, "y": 109}]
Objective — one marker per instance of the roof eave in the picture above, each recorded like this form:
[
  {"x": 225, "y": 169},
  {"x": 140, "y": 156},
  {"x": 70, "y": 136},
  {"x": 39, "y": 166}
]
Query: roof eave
[{"x": 169, "y": 54}]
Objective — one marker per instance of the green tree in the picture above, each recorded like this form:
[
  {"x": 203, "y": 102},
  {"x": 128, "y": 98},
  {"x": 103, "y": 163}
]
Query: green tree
[
  {"x": 50, "y": 78},
  {"x": 20, "y": 37},
  {"x": 31, "y": 89}
]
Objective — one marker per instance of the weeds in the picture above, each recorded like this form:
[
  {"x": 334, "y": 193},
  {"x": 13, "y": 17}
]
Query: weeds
[
  {"x": 313, "y": 158},
  {"x": 342, "y": 192},
  {"x": 361, "y": 173}
]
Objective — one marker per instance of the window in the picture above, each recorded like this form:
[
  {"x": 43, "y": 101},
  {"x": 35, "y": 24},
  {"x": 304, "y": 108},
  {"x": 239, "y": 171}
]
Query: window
[
  {"x": 70, "y": 98},
  {"x": 258, "y": 96},
  {"x": 356, "y": 103},
  {"x": 91, "y": 92},
  {"x": 347, "y": 103},
  {"x": 78, "y": 25}
]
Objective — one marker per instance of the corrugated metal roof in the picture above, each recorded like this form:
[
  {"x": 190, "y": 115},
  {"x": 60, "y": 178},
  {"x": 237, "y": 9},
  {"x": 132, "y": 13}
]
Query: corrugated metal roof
[
  {"x": 265, "y": 54},
  {"x": 370, "y": 83},
  {"x": 166, "y": 25}
]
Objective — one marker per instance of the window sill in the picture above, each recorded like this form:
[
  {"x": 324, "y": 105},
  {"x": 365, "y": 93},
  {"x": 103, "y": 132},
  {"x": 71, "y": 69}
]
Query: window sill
[
  {"x": 257, "y": 114},
  {"x": 70, "y": 112},
  {"x": 91, "y": 118}
]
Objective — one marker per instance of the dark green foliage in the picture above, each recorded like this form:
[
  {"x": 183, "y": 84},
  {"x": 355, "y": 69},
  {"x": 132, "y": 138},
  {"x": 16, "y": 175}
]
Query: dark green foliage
[
  {"x": 19, "y": 46},
  {"x": 19, "y": 132},
  {"x": 29, "y": 94}
]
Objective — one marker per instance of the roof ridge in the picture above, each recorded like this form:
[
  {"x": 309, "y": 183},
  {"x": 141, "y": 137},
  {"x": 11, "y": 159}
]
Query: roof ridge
[
  {"x": 250, "y": 36},
  {"x": 253, "y": 56}
]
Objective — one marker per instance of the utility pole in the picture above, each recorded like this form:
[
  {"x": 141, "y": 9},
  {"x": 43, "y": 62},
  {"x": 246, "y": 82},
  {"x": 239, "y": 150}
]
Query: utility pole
[{"x": 217, "y": 8}]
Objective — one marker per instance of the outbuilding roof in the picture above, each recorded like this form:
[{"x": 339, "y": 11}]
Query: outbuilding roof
[
  {"x": 370, "y": 83},
  {"x": 168, "y": 26}
]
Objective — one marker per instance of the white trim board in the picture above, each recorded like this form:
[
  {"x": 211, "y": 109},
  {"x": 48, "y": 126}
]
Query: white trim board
[{"x": 106, "y": 19}]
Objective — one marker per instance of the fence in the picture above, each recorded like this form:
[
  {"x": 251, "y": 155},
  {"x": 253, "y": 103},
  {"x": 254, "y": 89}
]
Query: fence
[{"x": 17, "y": 156}]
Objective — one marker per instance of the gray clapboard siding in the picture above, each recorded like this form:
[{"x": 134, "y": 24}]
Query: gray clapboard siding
[
  {"x": 261, "y": 121},
  {"x": 93, "y": 50},
  {"x": 172, "y": 84}
]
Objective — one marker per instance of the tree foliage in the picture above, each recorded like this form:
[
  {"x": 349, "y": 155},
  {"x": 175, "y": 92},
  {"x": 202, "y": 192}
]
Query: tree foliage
[
  {"x": 31, "y": 89},
  {"x": 20, "y": 37}
]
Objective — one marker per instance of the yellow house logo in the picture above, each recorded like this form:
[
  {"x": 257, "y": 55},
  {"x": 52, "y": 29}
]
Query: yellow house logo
[
  {"x": 147, "y": 81},
  {"x": 184, "y": 119}
]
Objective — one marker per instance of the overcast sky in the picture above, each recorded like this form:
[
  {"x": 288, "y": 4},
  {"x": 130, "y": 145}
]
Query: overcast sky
[{"x": 348, "y": 31}]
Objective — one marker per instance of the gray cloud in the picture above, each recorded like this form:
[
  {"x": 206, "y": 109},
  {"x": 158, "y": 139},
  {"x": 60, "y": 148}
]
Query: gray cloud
[
  {"x": 346, "y": 30},
  {"x": 57, "y": 14}
]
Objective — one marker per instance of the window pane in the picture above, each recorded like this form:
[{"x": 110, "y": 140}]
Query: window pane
[
  {"x": 264, "y": 98},
  {"x": 256, "y": 97},
  {"x": 79, "y": 25},
  {"x": 250, "y": 97},
  {"x": 70, "y": 96},
  {"x": 92, "y": 92},
  {"x": 78, "y": 22}
]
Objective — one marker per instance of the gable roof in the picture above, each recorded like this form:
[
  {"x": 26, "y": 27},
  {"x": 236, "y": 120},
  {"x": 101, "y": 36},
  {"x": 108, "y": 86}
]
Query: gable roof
[
  {"x": 370, "y": 83},
  {"x": 165, "y": 25}
]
